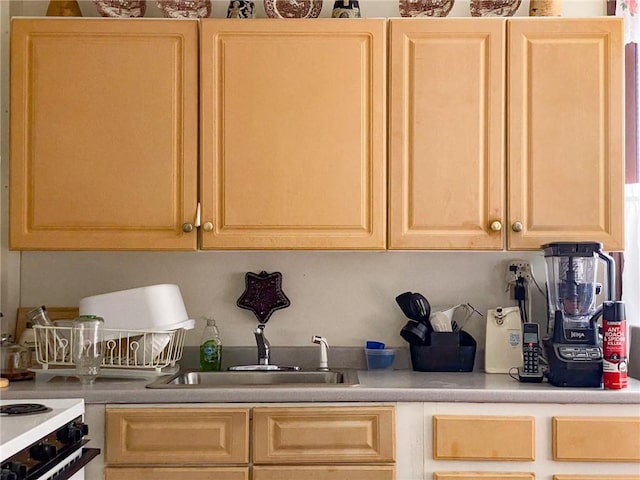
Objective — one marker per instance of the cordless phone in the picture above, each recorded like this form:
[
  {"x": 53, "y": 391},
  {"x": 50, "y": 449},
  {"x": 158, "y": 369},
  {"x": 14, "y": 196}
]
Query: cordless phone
[{"x": 531, "y": 370}]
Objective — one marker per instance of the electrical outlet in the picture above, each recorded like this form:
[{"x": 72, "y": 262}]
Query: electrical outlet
[{"x": 518, "y": 268}]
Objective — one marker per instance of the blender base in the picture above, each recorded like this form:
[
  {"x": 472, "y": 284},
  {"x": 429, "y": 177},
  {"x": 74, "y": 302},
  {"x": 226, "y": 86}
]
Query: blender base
[{"x": 584, "y": 370}]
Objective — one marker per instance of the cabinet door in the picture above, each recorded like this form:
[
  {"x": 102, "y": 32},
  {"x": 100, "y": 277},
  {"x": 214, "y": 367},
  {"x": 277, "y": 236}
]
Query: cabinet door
[
  {"x": 177, "y": 436},
  {"x": 323, "y": 435},
  {"x": 103, "y": 134},
  {"x": 293, "y": 134},
  {"x": 177, "y": 473},
  {"x": 447, "y": 134},
  {"x": 566, "y": 167},
  {"x": 325, "y": 472}
]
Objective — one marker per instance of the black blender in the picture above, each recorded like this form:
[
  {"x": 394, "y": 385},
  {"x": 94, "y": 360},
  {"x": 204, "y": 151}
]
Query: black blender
[{"x": 574, "y": 349}]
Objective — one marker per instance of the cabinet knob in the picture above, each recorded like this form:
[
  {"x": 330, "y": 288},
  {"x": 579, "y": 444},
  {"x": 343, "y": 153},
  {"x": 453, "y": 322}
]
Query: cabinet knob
[
  {"x": 496, "y": 226},
  {"x": 187, "y": 227},
  {"x": 516, "y": 227},
  {"x": 208, "y": 227}
]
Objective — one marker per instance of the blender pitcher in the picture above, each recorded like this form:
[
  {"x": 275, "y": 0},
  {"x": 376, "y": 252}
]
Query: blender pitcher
[{"x": 572, "y": 282}]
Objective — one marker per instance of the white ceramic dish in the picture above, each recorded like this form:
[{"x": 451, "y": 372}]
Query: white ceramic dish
[{"x": 152, "y": 346}]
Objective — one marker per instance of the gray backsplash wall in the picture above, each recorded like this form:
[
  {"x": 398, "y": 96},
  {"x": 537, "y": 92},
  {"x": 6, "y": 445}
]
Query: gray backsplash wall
[{"x": 347, "y": 297}]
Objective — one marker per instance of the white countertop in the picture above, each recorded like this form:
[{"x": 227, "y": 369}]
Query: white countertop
[{"x": 375, "y": 386}]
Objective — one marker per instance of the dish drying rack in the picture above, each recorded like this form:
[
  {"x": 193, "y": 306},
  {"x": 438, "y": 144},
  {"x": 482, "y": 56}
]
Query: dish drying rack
[{"x": 137, "y": 350}]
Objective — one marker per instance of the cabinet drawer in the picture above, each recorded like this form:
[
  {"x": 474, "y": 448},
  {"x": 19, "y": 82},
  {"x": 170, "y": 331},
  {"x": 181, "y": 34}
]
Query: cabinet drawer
[
  {"x": 325, "y": 472},
  {"x": 590, "y": 439},
  {"x": 596, "y": 477},
  {"x": 177, "y": 473},
  {"x": 177, "y": 436},
  {"x": 482, "y": 476},
  {"x": 324, "y": 435},
  {"x": 483, "y": 438}
]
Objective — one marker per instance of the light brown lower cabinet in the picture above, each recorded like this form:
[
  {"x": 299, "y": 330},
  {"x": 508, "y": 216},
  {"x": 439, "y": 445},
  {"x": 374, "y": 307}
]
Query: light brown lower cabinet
[
  {"x": 596, "y": 477},
  {"x": 325, "y": 472},
  {"x": 529, "y": 441},
  {"x": 177, "y": 473},
  {"x": 176, "y": 436},
  {"x": 584, "y": 439},
  {"x": 323, "y": 435},
  {"x": 287, "y": 443},
  {"x": 482, "y": 437},
  {"x": 482, "y": 476}
]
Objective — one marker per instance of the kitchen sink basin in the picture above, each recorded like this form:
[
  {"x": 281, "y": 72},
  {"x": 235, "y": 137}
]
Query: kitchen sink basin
[{"x": 257, "y": 378}]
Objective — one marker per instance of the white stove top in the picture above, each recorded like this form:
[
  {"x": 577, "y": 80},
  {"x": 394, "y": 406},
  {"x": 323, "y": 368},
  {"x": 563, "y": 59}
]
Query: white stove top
[{"x": 20, "y": 431}]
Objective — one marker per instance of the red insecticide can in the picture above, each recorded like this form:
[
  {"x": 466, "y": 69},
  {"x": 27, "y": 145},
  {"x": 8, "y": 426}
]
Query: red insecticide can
[{"x": 614, "y": 346}]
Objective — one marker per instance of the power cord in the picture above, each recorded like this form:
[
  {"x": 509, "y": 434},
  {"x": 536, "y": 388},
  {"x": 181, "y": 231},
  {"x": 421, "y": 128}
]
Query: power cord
[
  {"x": 533, "y": 277},
  {"x": 521, "y": 297}
]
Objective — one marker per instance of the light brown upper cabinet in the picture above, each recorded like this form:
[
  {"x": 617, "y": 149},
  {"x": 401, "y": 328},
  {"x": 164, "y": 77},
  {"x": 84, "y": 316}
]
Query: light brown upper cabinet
[
  {"x": 503, "y": 133},
  {"x": 446, "y": 165},
  {"x": 472, "y": 125},
  {"x": 104, "y": 134},
  {"x": 293, "y": 134},
  {"x": 566, "y": 124}
]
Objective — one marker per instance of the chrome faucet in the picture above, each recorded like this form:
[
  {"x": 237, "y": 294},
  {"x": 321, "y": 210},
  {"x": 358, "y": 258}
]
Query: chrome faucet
[
  {"x": 264, "y": 351},
  {"x": 324, "y": 346},
  {"x": 264, "y": 356}
]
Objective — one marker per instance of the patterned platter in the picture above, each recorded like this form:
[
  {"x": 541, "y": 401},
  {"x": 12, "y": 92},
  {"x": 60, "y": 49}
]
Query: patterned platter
[
  {"x": 293, "y": 8},
  {"x": 185, "y": 8},
  {"x": 121, "y": 8},
  {"x": 494, "y": 8},
  {"x": 241, "y": 9},
  {"x": 425, "y": 8}
]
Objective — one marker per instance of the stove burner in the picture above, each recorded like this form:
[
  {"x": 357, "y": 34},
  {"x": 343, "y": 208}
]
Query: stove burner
[{"x": 23, "y": 409}]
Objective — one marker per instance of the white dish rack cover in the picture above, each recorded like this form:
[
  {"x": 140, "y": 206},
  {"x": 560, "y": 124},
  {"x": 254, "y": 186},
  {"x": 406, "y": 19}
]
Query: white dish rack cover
[{"x": 127, "y": 349}]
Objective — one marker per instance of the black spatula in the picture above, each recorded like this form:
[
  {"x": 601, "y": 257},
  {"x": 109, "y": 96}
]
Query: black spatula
[{"x": 405, "y": 302}]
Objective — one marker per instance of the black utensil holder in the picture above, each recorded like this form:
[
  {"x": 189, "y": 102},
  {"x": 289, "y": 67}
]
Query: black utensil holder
[{"x": 444, "y": 352}]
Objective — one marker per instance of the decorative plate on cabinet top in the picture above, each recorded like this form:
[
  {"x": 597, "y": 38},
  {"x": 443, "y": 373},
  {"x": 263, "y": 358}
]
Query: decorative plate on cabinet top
[
  {"x": 121, "y": 8},
  {"x": 185, "y": 8},
  {"x": 293, "y": 8},
  {"x": 425, "y": 8},
  {"x": 346, "y": 9},
  {"x": 494, "y": 8},
  {"x": 241, "y": 9}
]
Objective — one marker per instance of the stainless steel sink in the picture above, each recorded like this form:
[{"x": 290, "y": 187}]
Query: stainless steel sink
[{"x": 257, "y": 378}]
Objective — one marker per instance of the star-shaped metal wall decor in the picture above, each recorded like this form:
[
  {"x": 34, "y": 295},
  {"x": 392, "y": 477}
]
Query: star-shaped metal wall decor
[{"x": 263, "y": 294}]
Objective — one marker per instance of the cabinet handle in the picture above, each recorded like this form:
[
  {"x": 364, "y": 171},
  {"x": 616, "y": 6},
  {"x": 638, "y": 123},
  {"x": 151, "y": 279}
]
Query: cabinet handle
[
  {"x": 207, "y": 227},
  {"x": 516, "y": 227},
  {"x": 496, "y": 226},
  {"x": 187, "y": 227}
]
